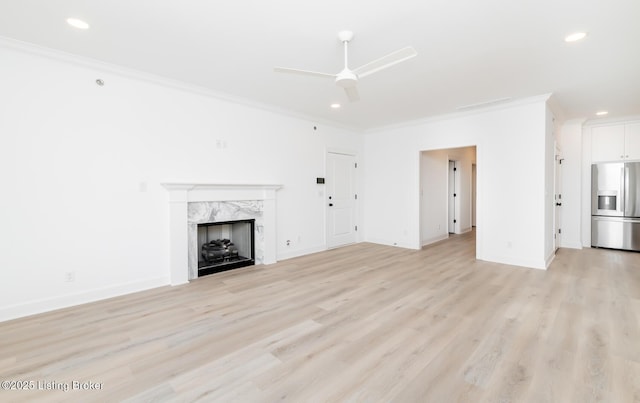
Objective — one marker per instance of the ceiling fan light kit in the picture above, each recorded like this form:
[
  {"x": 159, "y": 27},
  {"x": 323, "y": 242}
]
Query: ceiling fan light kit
[{"x": 348, "y": 78}]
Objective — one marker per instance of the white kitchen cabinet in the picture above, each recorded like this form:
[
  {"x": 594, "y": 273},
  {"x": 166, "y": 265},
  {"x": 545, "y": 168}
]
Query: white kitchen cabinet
[
  {"x": 607, "y": 143},
  {"x": 618, "y": 142},
  {"x": 632, "y": 141}
]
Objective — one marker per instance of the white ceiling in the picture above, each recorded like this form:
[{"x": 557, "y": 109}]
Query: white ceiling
[{"x": 469, "y": 51}]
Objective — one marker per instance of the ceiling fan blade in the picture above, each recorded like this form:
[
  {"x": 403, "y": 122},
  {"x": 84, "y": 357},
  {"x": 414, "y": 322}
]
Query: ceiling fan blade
[
  {"x": 386, "y": 61},
  {"x": 303, "y": 72},
  {"x": 352, "y": 94}
]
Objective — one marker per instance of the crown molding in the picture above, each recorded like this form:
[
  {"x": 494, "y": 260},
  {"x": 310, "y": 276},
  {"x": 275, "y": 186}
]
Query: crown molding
[
  {"x": 457, "y": 115},
  {"x": 609, "y": 121},
  {"x": 94, "y": 64}
]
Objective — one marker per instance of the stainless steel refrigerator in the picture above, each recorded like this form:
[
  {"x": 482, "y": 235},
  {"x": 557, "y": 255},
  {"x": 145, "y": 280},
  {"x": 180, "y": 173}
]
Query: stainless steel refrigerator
[{"x": 615, "y": 205}]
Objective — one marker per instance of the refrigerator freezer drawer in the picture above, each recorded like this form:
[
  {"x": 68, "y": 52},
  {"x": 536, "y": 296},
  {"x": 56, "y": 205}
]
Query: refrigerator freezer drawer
[{"x": 616, "y": 233}]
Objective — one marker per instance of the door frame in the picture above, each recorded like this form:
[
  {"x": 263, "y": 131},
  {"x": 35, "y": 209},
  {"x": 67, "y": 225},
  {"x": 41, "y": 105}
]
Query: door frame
[
  {"x": 453, "y": 221},
  {"x": 421, "y": 190},
  {"x": 557, "y": 199},
  {"x": 474, "y": 186}
]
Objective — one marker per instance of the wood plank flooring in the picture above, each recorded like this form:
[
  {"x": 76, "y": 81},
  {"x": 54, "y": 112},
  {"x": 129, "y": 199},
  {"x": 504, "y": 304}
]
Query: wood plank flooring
[{"x": 360, "y": 323}]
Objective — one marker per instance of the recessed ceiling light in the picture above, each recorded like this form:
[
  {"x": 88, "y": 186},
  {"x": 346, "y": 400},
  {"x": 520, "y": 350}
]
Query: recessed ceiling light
[
  {"x": 602, "y": 113},
  {"x": 76, "y": 23},
  {"x": 335, "y": 106},
  {"x": 576, "y": 36}
]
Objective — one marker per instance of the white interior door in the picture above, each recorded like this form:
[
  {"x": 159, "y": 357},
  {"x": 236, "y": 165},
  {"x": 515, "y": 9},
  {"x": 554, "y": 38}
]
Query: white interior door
[{"x": 341, "y": 199}]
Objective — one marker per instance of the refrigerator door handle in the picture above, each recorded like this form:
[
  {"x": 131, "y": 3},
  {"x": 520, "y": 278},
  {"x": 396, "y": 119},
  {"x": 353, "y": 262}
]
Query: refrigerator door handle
[
  {"x": 625, "y": 189},
  {"x": 624, "y": 182},
  {"x": 616, "y": 219}
]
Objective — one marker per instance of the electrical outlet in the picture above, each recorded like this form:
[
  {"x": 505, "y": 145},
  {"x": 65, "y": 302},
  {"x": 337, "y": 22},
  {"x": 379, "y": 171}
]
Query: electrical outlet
[
  {"x": 288, "y": 242},
  {"x": 70, "y": 276}
]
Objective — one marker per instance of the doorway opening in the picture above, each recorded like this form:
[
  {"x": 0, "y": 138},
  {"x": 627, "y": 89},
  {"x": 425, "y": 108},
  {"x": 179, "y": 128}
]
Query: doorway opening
[{"x": 447, "y": 193}]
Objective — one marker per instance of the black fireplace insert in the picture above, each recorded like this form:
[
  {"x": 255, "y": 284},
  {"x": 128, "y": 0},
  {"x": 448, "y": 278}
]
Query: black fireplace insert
[{"x": 225, "y": 245}]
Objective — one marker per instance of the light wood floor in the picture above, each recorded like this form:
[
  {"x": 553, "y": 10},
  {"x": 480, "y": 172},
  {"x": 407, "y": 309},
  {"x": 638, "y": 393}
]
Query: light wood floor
[{"x": 360, "y": 323}]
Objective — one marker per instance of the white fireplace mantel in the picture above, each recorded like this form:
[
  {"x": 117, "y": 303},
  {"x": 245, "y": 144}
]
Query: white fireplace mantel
[
  {"x": 221, "y": 191},
  {"x": 182, "y": 193}
]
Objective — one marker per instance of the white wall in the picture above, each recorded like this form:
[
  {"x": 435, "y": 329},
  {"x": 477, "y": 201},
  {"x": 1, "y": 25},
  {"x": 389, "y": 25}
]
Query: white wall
[
  {"x": 511, "y": 179},
  {"x": 570, "y": 141},
  {"x": 434, "y": 192},
  {"x": 586, "y": 186},
  {"x": 81, "y": 167}
]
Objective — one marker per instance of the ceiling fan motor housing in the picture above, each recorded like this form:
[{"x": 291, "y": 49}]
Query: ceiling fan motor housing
[{"x": 346, "y": 79}]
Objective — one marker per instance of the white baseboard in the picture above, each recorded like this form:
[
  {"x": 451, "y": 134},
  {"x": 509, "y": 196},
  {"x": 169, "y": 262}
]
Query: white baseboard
[
  {"x": 529, "y": 264},
  {"x": 396, "y": 244},
  {"x": 549, "y": 260},
  {"x": 571, "y": 245},
  {"x": 301, "y": 252},
  {"x": 65, "y": 301},
  {"x": 439, "y": 238}
]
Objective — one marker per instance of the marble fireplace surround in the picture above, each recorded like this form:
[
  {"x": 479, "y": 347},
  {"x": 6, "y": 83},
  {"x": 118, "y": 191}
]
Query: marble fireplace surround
[{"x": 191, "y": 204}]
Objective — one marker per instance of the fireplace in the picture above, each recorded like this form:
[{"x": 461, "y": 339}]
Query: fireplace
[
  {"x": 191, "y": 204},
  {"x": 225, "y": 245}
]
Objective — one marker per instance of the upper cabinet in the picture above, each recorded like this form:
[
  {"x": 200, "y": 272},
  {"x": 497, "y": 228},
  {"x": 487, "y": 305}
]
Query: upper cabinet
[
  {"x": 618, "y": 142},
  {"x": 632, "y": 141}
]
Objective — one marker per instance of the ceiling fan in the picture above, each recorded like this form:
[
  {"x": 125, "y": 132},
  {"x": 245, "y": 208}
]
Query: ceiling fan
[{"x": 348, "y": 78}]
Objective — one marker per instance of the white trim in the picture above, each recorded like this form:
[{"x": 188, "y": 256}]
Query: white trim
[
  {"x": 556, "y": 110},
  {"x": 342, "y": 151},
  {"x": 90, "y": 63},
  {"x": 526, "y": 263},
  {"x": 65, "y": 301},
  {"x": 549, "y": 260},
  {"x": 595, "y": 122},
  {"x": 303, "y": 252},
  {"x": 458, "y": 115},
  {"x": 218, "y": 186},
  {"x": 571, "y": 245},
  {"x": 434, "y": 240},
  {"x": 379, "y": 241}
]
